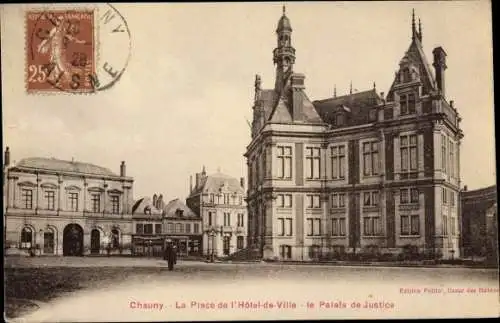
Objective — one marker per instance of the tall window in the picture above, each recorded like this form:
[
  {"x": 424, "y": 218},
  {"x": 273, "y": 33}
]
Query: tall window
[
  {"x": 313, "y": 227},
  {"x": 139, "y": 228},
  {"x": 408, "y": 195},
  {"x": 338, "y": 161},
  {"x": 445, "y": 225},
  {"x": 284, "y": 200},
  {"x": 444, "y": 195},
  {"x": 338, "y": 226},
  {"x": 210, "y": 220},
  {"x": 73, "y": 201},
  {"x": 371, "y": 225},
  {"x": 96, "y": 202},
  {"x": 239, "y": 242},
  {"x": 285, "y": 251},
  {"x": 178, "y": 227},
  {"x": 338, "y": 200},
  {"x": 158, "y": 228},
  {"x": 212, "y": 198},
  {"x": 370, "y": 198},
  {"x": 453, "y": 226},
  {"x": 407, "y": 103},
  {"x": 241, "y": 219},
  {"x": 227, "y": 219},
  {"x": 196, "y": 228},
  {"x": 240, "y": 200},
  {"x": 187, "y": 228},
  {"x": 285, "y": 226},
  {"x": 50, "y": 198},
  {"x": 313, "y": 202},
  {"x": 148, "y": 228},
  {"x": 451, "y": 148},
  {"x": 313, "y": 162},
  {"x": 443, "y": 153},
  {"x": 370, "y": 158},
  {"x": 115, "y": 204},
  {"x": 452, "y": 198},
  {"x": 410, "y": 225},
  {"x": 26, "y": 238},
  {"x": 408, "y": 148},
  {"x": 284, "y": 162},
  {"x": 27, "y": 198},
  {"x": 226, "y": 198},
  {"x": 170, "y": 227}
]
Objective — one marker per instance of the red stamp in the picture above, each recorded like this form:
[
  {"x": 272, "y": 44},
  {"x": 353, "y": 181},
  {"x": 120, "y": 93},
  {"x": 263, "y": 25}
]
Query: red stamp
[{"x": 60, "y": 51}]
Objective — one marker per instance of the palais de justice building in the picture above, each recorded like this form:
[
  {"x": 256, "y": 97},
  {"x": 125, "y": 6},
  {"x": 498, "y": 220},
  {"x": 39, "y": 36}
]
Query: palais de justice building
[
  {"x": 362, "y": 171},
  {"x": 66, "y": 207}
]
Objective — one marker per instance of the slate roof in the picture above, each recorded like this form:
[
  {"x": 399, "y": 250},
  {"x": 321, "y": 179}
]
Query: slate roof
[
  {"x": 214, "y": 182},
  {"x": 172, "y": 206},
  {"x": 416, "y": 55},
  {"x": 143, "y": 206},
  {"x": 357, "y": 107},
  {"x": 64, "y": 165}
]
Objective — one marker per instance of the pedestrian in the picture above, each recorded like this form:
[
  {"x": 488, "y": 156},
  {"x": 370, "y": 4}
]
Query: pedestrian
[{"x": 169, "y": 255}]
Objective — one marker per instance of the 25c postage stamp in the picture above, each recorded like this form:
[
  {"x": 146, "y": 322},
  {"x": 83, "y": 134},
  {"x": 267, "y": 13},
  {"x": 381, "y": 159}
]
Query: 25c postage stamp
[
  {"x": 81, "y": 49},
  {"x": 61, "y": 50}
]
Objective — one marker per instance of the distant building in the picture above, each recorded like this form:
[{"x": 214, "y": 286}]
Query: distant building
[
  {"x": 480, "y": 222},
  {"x": 65, "y": 207},
  {"x": 184, "y": 227},
  {"x": 218, "y": 199},
  {"x": 147, "y": 239},
  {"x": 361, "y": 172},
  {"x": 155, "y": 221}
]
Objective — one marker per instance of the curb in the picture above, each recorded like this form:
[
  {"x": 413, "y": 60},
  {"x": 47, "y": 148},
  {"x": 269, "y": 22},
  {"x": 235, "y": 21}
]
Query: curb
[{"x": 37, "y": 306}]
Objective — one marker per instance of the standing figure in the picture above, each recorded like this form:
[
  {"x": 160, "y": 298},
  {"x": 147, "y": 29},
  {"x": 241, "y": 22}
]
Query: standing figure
[{"x": 170, "y": 254}]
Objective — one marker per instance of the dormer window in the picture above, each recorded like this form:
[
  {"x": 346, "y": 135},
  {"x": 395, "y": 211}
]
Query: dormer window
[
  {"x": 179, "y": 212},
  {"x": 406, "y": 75},
  {"x": 407, "y": 103},
  {"x": 373, "y": 115},
  {"x": 339, "y": 119}
]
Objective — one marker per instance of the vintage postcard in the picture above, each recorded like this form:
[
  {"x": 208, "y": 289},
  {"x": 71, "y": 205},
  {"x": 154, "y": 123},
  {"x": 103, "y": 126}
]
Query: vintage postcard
[{"x": 248, "y": 161}]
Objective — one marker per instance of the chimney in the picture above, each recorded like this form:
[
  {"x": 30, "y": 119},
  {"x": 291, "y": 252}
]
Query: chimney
[
  {"x": 159, "y": 202},
  {"x": 155, "y": 198},
  {"x": 190, "y": 184},
  {"x": 123, "y": 169},
  {"x": 242, "y": 182},
  {"x": 439, "y": 67},
  {"x": 6, "y": 158},
  {"x": 465, "y": 188},
  {"x": 297, "y": 82}
]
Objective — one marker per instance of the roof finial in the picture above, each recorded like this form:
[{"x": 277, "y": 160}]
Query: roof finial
[
  {"x": 284, "y": 10},
  {"x": 419, "y": 30},
  {"x": 374, "y": 86},
  {"x": 350, "y": 88},
  {"x": 335, "y": 90},
  {"x": 203, "y": 170},
  {"x": 413, "y": 30}
]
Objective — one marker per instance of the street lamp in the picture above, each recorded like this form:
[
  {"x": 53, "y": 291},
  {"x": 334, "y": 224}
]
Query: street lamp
[
  {"x": 212, "y": 238},
  {"x": 150, "y": 248}
]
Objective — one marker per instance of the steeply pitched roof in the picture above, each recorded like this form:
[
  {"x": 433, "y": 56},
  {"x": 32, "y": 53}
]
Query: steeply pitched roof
[
  {"x": 144, "y": 206},
  {"x": 215, "y": 182},
  {"x": 357, "y": 105},
  {"x": 176, "y": 204},
  {"x": 416, "y": 55},
  {"x": 64, "y": 165}
]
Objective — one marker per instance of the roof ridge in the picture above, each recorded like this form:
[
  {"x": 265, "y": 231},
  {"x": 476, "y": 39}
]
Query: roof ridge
[{"x": 347, "y": 95}]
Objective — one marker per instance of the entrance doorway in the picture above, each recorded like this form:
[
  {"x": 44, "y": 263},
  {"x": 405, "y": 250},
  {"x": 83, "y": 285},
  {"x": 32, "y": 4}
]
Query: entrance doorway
[
  {"x": 73, "y": 240},
  {"x": 95, "y": 241},
  {"x": 225, "y": 246},
  {"x": 48, "y": 242}
]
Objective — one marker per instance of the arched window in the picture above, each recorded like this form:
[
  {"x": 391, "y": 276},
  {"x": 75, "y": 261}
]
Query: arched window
[
  {"x": 26, "y": 238},
  {"x": 115, "y": 239}
]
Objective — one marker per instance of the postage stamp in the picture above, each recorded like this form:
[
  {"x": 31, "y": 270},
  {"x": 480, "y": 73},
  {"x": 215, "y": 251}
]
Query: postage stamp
[
  {"x": 61, "y": 50},
  {"x": 75, "y": 50}
]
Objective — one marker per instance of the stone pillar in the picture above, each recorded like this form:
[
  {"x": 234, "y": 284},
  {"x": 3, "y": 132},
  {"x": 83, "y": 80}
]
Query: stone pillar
[
  {"x": 59, "y": 196},
  {"x": 381, "y": 154},
  {"x": 105, "y": 198},
  {"x": 85, "y": 202},
  {"x": 38, "y": 201},
  {"x": 326, "y": 223},
  {"x": 420, "y": 154},
  {"x": 397, "y": 157},
  {"x": 268, "y": 251}
]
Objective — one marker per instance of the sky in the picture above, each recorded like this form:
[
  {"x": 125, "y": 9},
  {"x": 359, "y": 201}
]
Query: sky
[{"x": 187, "y": 92}]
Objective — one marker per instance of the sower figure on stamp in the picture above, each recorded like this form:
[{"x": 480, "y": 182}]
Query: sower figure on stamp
[{"x": 170, "y": 254}]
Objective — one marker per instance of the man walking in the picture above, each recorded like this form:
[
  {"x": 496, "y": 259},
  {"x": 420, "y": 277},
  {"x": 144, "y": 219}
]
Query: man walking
[{"x": 170, "y": 254}]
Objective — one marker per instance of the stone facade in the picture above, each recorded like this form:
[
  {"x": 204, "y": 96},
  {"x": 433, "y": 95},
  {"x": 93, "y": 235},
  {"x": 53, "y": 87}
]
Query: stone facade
[
  {"x": 66, "y": 207},
  {"x": 359, "y": 172},
  {"x": 219, "y": 200}
]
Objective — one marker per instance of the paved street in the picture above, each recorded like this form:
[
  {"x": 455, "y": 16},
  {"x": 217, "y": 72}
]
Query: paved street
[{"x": 105, "y": 289}]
